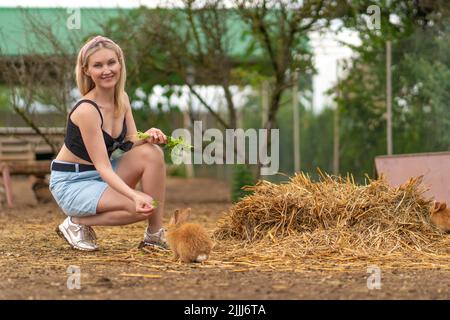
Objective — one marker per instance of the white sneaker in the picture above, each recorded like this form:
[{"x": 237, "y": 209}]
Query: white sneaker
[
  {"x": 157, "y": 239},
  {"x": 78, "y": 236}
]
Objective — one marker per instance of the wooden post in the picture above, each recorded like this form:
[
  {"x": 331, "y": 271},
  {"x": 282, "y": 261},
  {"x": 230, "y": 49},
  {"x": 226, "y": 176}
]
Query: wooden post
[
  {"x": 389, "y": 97},
  {"x": 296, "y": 124},
  {"x": 8, "y": 186},
  {"x": 189, "y": 166},
  {"x": 265, "y": 102},
  {"x": 336, "y": 126},
  {"x": 336, "y": 141}
]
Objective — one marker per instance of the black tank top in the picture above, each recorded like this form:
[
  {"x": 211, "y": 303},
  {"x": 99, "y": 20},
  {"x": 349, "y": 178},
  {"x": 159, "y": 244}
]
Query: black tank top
[{"x": 74, "y": 141}]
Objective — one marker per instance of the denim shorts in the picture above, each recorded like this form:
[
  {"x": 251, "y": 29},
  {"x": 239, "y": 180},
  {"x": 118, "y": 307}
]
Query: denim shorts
[{"x": 78, "y": 193}]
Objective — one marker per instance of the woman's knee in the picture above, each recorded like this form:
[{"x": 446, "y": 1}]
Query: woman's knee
[{"x": 153, "y": 154}]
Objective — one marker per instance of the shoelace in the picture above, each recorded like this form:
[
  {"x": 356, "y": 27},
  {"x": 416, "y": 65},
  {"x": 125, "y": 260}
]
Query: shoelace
[
  {"x": 86, "y": 232},
  {"x": 161, "y": 235},
  {"x": 92, "y": 232}
]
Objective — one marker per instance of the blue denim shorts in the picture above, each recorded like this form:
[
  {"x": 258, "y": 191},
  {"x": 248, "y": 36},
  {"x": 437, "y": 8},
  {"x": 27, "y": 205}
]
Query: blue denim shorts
[{"x": 78, "y": 193}]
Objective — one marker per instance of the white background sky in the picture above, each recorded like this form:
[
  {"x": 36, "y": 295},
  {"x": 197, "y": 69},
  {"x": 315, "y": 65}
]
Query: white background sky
[
  {"x": 85, "y": 3},
  {"x": 327, "y": 49}
]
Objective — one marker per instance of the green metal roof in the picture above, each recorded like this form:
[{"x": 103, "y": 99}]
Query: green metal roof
[
  {"x": 15, "y": 23},
  {"x": 16, "y": 39}
]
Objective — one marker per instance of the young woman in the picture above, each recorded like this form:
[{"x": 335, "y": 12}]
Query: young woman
[{"x": 90, "y": 188}]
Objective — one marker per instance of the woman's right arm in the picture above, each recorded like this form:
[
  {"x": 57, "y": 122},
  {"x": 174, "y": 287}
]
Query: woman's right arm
[{"x": 88, "y": 120}]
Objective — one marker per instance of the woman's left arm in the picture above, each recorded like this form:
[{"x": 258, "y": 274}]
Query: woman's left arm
[{"x": 156, "y": 135}]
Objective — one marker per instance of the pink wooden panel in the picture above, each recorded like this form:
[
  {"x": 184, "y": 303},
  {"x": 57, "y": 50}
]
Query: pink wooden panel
[
  {"x": 8, "y": 186},
  {"x": 435, "y": 167}
]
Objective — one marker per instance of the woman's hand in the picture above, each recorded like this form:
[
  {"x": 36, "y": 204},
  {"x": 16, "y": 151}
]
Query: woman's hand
[
  {"x": 143, "y": 202},
  {"x": 156, "y": 136}
]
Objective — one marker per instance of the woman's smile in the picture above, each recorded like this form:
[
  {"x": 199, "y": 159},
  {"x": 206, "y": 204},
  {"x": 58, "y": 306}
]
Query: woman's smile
[{"x": 107, "y": 78}]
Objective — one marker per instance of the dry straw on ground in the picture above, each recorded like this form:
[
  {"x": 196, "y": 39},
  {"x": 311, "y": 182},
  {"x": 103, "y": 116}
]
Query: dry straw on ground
[
  {"x": 335, "y": 223},
  {"x": 330, "y": 225}
]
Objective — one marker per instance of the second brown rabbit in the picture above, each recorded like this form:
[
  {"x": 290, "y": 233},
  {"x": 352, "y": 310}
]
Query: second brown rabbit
[
  {"x": 188, "y": 241},
  {"x": 440, "y": 216}
]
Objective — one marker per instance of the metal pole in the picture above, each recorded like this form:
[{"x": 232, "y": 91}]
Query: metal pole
[
  {"x": 389, "y": 96},
  {"x": 296, "y": 124}
]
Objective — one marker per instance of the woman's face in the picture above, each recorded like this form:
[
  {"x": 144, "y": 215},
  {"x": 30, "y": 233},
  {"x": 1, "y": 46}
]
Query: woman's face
[{"x": 104, "y": 68}]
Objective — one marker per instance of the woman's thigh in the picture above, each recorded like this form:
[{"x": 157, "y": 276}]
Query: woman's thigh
[
  {"x": 130, "y": 167},
  {"x": 132, "y": 163},
  {"x": 111, "y": 200}
]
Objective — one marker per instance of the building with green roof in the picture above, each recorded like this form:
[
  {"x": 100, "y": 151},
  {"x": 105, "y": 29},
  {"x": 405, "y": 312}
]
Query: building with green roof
[{"x": 16, "y": 23}]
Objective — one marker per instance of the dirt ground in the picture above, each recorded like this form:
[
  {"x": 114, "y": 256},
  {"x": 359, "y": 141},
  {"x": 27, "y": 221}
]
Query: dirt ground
[{"x": 34, "y": 261}]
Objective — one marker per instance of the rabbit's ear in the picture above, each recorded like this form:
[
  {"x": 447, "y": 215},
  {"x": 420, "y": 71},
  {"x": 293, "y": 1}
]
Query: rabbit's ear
[
  {"x": 436, "y": 206},
  {"x": 175, "y": 217},
  {"x": 442, "y": 206},
  {"x": 184, "y": 215}
]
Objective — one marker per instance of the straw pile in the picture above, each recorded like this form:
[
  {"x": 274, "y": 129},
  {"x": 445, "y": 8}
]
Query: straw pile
[{"x": 335, "y": 215}]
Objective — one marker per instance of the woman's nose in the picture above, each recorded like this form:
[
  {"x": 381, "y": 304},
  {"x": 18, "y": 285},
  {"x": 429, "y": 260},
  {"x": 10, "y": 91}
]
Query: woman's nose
[{"x": 106, "y": 69}]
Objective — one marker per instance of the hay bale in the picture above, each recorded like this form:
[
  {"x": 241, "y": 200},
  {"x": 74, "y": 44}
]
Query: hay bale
[{"x": 334, "y": 213}]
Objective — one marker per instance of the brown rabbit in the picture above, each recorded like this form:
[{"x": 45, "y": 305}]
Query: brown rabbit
[
  {"x": 440, "y": 216},
  {"x": 188, "y": 241}
]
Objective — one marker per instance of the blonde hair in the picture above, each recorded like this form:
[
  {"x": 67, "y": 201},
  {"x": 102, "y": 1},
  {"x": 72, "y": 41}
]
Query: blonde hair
[{"x": 85, "y": 83}]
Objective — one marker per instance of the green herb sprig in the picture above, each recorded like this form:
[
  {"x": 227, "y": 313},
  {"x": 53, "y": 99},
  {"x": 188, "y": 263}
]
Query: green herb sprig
[{"x": 172, "y": 142}]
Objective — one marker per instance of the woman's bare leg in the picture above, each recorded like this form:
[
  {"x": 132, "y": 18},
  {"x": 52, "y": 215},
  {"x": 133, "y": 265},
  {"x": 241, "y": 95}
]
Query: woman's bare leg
[{"x": 145, "y": 163}]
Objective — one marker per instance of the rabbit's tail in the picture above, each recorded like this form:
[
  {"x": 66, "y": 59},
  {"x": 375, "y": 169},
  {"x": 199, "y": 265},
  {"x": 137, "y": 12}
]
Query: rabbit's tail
[{"x": 201, "y": 257}]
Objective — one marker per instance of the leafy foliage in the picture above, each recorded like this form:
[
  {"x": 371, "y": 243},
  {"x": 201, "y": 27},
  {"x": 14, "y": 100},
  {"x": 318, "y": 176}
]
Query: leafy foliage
[
  {"x": 420, "y": 85},
  {"x": 242, "y": 176}
]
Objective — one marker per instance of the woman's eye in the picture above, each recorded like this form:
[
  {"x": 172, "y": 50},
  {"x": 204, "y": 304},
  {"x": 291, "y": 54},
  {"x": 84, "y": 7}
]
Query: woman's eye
[
  {"x": 112, "y": 62},
  {"x": 97, "y": 65}
]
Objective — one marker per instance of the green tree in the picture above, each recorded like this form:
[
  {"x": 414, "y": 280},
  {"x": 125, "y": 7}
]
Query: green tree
[
  {"x": 207, "y": 43},
  {"x": 420, "y": 84}
]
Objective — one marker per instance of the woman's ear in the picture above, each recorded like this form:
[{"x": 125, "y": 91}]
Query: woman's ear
[{"x": 85, "y": 71}]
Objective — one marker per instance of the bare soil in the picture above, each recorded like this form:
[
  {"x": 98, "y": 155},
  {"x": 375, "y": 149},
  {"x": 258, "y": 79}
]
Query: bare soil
[{"x": 34, "y": 261}]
